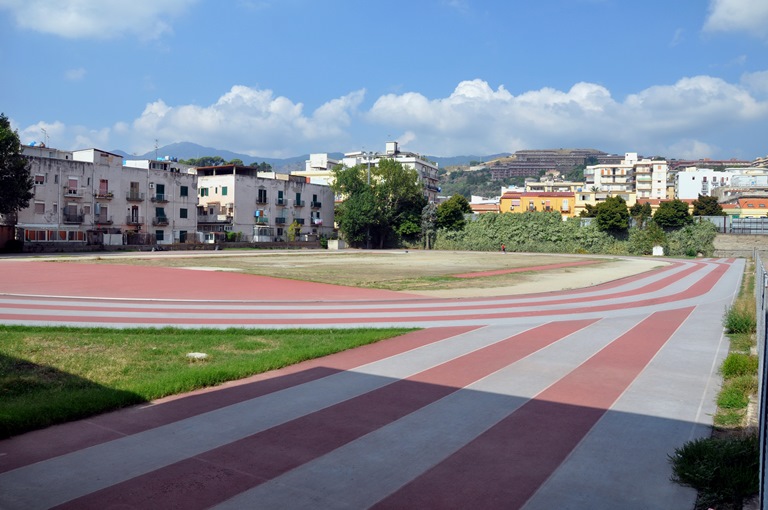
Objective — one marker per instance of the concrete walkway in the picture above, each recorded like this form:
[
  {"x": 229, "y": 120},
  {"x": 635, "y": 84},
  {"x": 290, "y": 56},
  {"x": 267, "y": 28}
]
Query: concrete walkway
[{"x": 560, "y": 400}]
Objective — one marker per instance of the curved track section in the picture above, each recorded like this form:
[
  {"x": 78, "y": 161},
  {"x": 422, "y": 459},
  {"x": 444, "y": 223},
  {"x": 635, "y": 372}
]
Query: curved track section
[
  {"x": 316, "y": 305},
  {"x": 568, "y": 399}
]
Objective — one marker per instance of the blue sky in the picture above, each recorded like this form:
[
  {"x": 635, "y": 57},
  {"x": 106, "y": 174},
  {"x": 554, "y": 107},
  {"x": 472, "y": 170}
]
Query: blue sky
[{"x": 280, "y": 78}]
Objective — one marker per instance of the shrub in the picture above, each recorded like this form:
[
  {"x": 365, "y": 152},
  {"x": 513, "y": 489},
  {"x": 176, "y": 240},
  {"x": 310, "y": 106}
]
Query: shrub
[
  {"x": 724, "y": 471},
  {"x": 738, "y": 364},
  {"x": 739, "y": 319}
]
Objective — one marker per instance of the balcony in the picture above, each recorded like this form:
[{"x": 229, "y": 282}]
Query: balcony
[
  {"x": 104, "y": 195},
  {"x": 214, "y": 218},
  {"x": 73, "y": 192},
  {"x": 73, "y": 218},
  {"x": 298, "y": 203},
  {"x": 262, "y": 201},
  {"x": 299, "y": 221},
  {"x": 134, "y": 220},
  {"x": 315, "y": 205},
  {"x": 160, "y": 220},
  {"x": 281, "y": 202},
  {"x": 261, "y": 220},
  {"x": 159, "y": 197},
  {"x": 279, "y": 221},
  {"x": 103, "y": 219},
  {"x": 134, "y": 196}
]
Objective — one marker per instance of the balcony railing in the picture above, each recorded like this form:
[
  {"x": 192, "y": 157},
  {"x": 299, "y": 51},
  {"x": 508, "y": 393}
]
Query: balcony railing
[
  {"x": 159, "y": 197},
  {"x": 160, "y": 220},
  {"x": 134, "y": 196},
  {"x": 134, "y": 220},
  {"x": 73, "y": 218},
  {"x": 279, "y": 221},
  {"x": 315, "y": 204},
  {"x": 299, "y": 221},
  {"x": 214, "y": 218},
  {"x": 298, "y": 203},
  {"x": 261, "y": 201},
  {"x": 103, "y": 219},
  {"x": 105, "y": 195},
  {"x": 73, "y": 192},
  {"x": 261, "y": 220},
  {"x": 281, "y": 201}
]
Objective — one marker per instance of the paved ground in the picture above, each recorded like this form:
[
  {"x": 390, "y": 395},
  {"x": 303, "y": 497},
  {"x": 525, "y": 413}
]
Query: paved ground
[{"x": 567, "y": 399}]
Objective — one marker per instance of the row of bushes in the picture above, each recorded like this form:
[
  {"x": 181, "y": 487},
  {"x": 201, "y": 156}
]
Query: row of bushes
[{"x": 546, "y": 232}]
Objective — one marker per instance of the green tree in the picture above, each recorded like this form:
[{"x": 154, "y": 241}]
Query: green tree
[
  {"x": 672, "y": 215},
  {"x": 204, "y": 161},
  {"x": 236, "y": 161},
  {"x": 16, "y": 181},
  {"x": 707, "y": 206},
  {"x": 429, "y": 225},
  {"x": 612, "y": 216},
  {"x": 641, "y": 213},
  {"x": 383, "y": 208},
  {"x": 262, "y": 167},
  {"x": 450, "y": 214}
]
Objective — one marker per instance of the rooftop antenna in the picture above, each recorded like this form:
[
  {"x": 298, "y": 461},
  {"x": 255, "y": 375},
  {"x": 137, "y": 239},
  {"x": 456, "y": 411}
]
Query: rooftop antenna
[
  {"x": 155, "y": 149},
  {"x": 45, "y": 136}
]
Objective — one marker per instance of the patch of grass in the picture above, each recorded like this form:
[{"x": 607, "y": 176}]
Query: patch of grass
[
  {"x": 738, "y": 364},
  {"x": 740, "y": 318},
  {"x": 51, "y": 375},
  {"x": 724, "y": 471}
]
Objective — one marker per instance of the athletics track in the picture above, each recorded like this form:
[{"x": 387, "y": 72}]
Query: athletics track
[{"x": 566, "y": 399}]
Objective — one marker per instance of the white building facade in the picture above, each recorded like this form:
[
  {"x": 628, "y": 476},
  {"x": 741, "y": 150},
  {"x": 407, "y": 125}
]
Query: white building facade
[{"x": 261, "y": 206}]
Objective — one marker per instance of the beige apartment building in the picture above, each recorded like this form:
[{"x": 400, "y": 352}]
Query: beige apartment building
[{"x": 261, "y": 206}]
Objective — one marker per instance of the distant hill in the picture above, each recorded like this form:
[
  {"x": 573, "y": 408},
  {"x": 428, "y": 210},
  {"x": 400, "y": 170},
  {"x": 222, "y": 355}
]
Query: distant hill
[{"x": 189, "y": 150}]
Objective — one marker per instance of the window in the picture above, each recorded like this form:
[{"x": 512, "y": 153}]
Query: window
[
  {"x": 262, "y": 196},
  {"x": 203, "y": 192},
  {"x": 182, "y": 213},
  {"x": 39, "y": 207},
  {"x": 86, "y": 209},
  {"x": 160, "y": 212},
  {"x": 223, "y": 191},
  {"x": 184, "y": 191},
  {"x": 39, "y": 179},
  {"x": 160, "y": 235}
]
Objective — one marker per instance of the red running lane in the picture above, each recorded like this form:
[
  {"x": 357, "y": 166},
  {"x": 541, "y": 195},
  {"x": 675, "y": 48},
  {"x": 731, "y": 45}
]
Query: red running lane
[
  {"x": 488, "y": 472},
  {"x": 187, "y": 484}
]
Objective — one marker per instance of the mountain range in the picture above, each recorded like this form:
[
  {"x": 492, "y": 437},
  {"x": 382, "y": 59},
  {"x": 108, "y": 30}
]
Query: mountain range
[{"x": 189, "y": 150}]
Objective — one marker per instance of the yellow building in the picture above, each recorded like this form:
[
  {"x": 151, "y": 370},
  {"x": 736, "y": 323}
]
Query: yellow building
[{"x": 531, "y": 201}]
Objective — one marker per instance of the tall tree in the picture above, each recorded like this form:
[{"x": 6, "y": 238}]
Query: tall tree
[
  {"x": 672, "y": 215},
  {"x": 383, "y": 208},
  {"x": 707, "y": 206},
  {"x": 641, "y": 213},
  {"x": 612, "y": 216},
  {"x": 450, "y": 214},
  {"x": 16, "y": 181}
]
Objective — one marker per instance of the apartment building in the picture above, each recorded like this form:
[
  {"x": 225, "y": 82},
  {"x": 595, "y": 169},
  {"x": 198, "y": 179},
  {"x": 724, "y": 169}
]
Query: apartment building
[
  {"x": 260, "y": 206},
  {"x": 160, "y": 199},
  {"x": 426, "y": 170}
]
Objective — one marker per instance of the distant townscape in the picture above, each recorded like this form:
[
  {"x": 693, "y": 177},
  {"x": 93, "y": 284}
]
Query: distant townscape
[{"x": 101, "y": 198}]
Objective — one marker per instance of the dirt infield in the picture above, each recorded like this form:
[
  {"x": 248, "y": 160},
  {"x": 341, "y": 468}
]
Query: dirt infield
[{"x": 428, "y": 273}]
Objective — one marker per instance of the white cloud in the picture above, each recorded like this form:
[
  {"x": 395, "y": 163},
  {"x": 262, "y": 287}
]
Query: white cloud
[
  {"x": 698, "y": 116},
  {"x": 750, "y": 16},
  {"x": 248, "y": 120},
  {"x": 476, "y": 119},
  {"x": 756, "y": 82},
  {"x": 97, "y": 19},
  {"x": 75, "y": 74}
]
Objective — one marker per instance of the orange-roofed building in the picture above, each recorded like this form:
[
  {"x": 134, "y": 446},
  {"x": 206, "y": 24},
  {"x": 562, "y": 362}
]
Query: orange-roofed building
[
  {"x": 531, "y": 201},
  {"x": 753, "y": 207},
  {"x": 484, "y": 207}
]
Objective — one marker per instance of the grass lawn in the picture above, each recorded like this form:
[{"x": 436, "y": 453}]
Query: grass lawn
[{"x": 53, "y": 375}]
